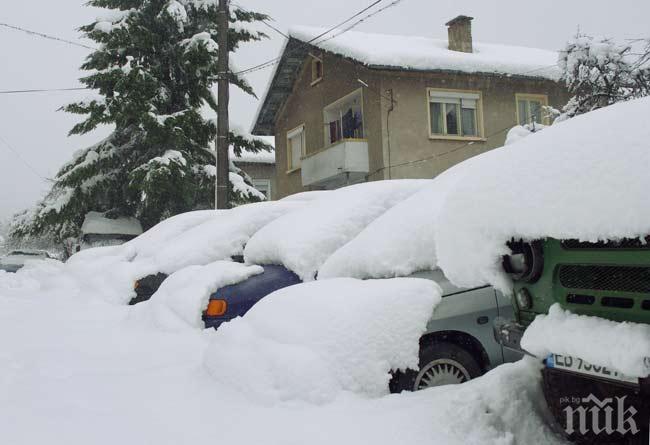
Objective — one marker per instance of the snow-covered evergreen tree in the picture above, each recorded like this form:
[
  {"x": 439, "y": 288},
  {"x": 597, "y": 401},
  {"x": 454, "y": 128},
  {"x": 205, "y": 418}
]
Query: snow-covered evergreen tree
[
  {"x": 600, "y": 72},
  {"x": 154, "y": 68}
]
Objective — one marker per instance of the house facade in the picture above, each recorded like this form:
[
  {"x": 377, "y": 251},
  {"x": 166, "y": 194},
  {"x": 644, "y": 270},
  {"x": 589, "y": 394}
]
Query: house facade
[
  {"x": 260, "y": 167},
  {"x": 362, "y": 107}
]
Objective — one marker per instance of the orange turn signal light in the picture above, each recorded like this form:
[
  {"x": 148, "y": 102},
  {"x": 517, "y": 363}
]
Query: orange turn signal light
[
  {"x": 136, "y": 285},
  {"x": 216, "y": 308}
]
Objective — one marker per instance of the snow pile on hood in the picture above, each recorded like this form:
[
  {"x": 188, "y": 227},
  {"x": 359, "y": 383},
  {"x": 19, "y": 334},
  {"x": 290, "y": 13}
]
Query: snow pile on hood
[
  {"x": 183, "y": 296},
  {"x": 620, "y": 346},
  {"x": 399, "y": 242},
  {"x": 315, "y": 340},
  {"x": 302, "y": 240},
  {"x": 585, "y": 178},
  {"x": 97, "y": 224}
]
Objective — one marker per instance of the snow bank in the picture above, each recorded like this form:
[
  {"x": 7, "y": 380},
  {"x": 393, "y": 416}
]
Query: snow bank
[
  {"x": 304, "y": 239},
  {"x": 585, "y": 178},
  {"x": 421, "y": 53},
  {"x": 399, "y": 242},
  {"x": 621, "y": 346},
  {"x": 314, "y": 340},
  {"x": 183, "y": 296}
]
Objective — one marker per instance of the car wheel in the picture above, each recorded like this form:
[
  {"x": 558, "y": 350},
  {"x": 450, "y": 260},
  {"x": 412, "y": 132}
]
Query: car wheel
[{"x": 441, "y": 363}]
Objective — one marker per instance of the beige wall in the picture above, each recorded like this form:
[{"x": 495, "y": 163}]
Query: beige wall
[
  {"x": 305, "y": 106},
  {"x": 410, "y": 141},
  {"x": 408, "y": 123}
]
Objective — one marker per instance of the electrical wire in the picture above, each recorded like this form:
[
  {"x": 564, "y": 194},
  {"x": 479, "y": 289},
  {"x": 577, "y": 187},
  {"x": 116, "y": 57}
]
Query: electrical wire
[
  {"x": 43, "y": 90},
  {"x": 265, "y": 22},
  {"x": 15, "y": 152},
  {"x": 46, "y": 36},
  {"x": 272, "y": 62}
]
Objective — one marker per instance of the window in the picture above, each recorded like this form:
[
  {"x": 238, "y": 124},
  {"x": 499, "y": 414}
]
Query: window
[
  {"x": 264, "y": 186},
  {"x": 316, "y": 69},
  {"x": 530, "y": 108},
  {"x": 454, "y": 114},
  {"x": 295, "y": 147},
  {"x": 344, "y": 119}
]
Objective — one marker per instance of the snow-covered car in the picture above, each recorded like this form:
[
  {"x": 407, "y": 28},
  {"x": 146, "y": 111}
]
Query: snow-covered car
[
  {"x": 98, "y": 230},
  {"x": 572, "y": 248},
  {"x": 383, "y": 241},
  {"x": 194, "y": 240},
  {"x": 15, "y": 260}
]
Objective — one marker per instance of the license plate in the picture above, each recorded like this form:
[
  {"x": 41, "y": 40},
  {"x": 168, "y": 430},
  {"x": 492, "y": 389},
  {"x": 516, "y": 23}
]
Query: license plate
[{"x": 579, "y": 366}]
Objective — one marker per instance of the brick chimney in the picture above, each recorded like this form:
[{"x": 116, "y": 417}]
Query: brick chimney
[{"x": 460, "y": 33}]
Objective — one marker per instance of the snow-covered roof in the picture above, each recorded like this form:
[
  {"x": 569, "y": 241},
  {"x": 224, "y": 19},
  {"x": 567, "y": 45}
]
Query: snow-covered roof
[
  {"x": 261, "y": 157},
  {"x": 426, "y": 54},
  {"x": 97, "y": 224},
  {"x": 395, "y": 52}
]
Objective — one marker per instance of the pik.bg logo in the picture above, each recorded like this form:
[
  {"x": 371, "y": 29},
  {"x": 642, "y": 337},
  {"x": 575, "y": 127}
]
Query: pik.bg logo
[{"x": 608, "y": 416}]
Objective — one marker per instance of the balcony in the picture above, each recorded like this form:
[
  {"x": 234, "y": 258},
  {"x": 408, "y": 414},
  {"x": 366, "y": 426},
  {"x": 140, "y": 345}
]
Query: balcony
[{"x": 345, "y": 162}]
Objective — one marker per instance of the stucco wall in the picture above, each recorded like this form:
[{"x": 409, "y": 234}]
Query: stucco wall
[
  {"x": 305, "y": 106},
  {"x": 408, "y": 123},
  {"x": 410, "y": 141}
]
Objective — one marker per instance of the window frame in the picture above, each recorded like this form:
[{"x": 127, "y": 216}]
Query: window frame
[
  {"x": 542, "y": 98},
  {"x": 338, "y": 103},
  {"x": 479, "y": 116},
  {"x": 300, "y": 129},
  {"x": 314, "y": 71}
]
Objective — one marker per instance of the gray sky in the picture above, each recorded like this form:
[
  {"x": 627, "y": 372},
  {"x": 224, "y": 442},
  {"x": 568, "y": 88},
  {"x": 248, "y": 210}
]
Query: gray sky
[{"x": 31, "y": 125}]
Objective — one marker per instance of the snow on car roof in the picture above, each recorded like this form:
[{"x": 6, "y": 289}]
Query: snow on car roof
[
  {"x": 303, "y": 240},
  {"x": 97, "y": 224},
  {"x": 402, "y": 240},
  {"x": 427, "y": 54},
  {"x": 585, "y": 178}
]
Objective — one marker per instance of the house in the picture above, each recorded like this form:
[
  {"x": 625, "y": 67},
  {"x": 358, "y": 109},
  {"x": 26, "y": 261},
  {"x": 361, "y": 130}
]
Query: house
[
  {"x": 352, "y": 107},
  {"x": 260, "y": 167}
]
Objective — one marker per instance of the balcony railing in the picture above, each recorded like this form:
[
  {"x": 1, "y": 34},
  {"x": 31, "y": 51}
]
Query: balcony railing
[{"x": 343, "y": 163}]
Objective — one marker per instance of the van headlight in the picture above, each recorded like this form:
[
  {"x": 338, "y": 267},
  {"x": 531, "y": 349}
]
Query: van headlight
[{"x": 526, "y": 262}]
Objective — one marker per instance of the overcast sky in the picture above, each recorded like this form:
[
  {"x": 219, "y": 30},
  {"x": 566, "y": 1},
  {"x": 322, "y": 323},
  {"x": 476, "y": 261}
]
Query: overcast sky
[{"x": 31, "y": 125}]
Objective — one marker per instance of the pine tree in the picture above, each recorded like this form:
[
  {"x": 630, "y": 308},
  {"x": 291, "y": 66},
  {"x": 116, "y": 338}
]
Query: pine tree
[
  {"x": 600, "y": 72},
  {"x": 154, "y": 69}
]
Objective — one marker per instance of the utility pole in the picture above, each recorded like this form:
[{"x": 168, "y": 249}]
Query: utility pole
[{"x": 223, "y": 124}]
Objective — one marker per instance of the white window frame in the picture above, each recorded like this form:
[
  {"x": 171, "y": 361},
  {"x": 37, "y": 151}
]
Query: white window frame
[
  {"x": 300, "y": 129},
  {"x": 541, "y": 98},
  {"x": 459, "y": 96},
  {"x": 336, "y": 104}
]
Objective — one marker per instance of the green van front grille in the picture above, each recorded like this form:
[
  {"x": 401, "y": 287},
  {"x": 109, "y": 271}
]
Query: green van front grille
[{"x": 601, "y": 277}]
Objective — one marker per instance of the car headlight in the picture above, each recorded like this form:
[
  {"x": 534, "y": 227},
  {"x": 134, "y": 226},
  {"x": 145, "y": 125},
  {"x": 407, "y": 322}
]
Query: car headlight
[{"x": 526, "y": 261}]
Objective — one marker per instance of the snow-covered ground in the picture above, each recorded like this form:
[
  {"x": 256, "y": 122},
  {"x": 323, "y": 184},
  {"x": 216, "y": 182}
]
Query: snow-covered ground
[{"x": 77, "y": 370}]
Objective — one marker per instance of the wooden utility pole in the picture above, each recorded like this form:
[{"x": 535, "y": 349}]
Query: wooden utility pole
[{"x": 223, "y": 125}]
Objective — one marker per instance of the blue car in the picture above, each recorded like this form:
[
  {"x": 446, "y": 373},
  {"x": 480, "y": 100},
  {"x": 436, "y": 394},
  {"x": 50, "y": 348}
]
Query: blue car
[{"x": 235, "y": 300}]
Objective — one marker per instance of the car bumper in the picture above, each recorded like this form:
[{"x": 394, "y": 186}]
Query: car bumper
[{"x": 508, "y": 333}]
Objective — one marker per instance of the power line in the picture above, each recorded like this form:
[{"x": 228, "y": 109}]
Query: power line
[
  {"x": 265, "y": 22},
  {"x": 306, "y": 44},
  {"x": 43, "y": 90},
  {"x": 17, "y": 154},
  {"x": 46, "y": 36}
]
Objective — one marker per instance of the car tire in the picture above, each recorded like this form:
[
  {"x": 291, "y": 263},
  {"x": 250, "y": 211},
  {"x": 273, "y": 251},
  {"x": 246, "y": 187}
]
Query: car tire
[{"x": 441, "y": 363}]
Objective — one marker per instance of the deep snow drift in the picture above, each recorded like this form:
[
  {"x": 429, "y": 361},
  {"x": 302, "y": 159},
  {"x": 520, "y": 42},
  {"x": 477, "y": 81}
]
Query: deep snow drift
[
  {"x": 315, "y": 340},
  {"x": 76, "y": 370}
]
